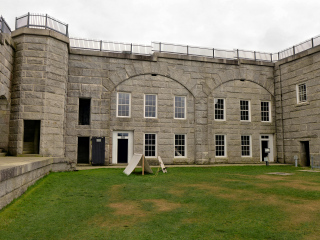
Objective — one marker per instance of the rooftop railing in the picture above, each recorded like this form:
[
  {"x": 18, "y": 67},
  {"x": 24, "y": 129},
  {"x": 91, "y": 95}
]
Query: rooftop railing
[
  {"x": 41, "y": 21},
  {"x": 4, "y": 27}
]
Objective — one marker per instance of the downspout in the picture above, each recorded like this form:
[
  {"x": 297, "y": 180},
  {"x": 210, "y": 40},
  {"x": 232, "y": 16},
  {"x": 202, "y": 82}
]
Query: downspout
[{"x": 281, "y": 97}]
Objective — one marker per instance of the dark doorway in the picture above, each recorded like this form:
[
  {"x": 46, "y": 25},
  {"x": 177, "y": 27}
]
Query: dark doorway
[
  {"x": 31, "y": 136},
  {"x": 84, "y": 111},
  {"x": 122, "y": 150},
  {"x": 305, "y": 154},
  {"x": 264, "y": 145},
  {"x": 83, "y": 150},
  {"x": 98, "y": 151}
]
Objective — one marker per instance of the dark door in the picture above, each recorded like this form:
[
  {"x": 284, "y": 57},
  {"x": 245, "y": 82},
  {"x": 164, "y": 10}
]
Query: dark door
[
  {"x": 264, "y": 145},
  {"x": 305, "y": 154},
  {"x": 31, "y": 136},
  {"x": 83, "y": 149},
  {"x": 98, "y": 150},
  {"x": 122, "y": 150}
]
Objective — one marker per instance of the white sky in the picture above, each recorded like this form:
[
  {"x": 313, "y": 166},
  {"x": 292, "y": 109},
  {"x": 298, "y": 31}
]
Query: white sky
[{"x": 260, "y": 25}]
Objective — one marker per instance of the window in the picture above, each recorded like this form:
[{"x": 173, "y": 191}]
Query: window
[
  {"x": 179, "y": 107},
  {"x": 219, "y": 109},
  {"x": 150, "y": 145},
  {"x": 301, "y": 93},
  {"x": 245, "y": 146},
  {"x": 265, "y": 111},
  {"x": 84, "y": 111},
  {"x": 123, "y": 105},
  {"x": 179, "y": 145},
  {"x": 220, "y": 145},
  {"x": 150, "y": 106},
  {"x": 244, "y": 110}
]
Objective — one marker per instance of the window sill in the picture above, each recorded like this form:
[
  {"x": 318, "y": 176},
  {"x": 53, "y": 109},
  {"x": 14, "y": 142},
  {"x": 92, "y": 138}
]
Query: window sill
[{"x": 299, "y": 104}]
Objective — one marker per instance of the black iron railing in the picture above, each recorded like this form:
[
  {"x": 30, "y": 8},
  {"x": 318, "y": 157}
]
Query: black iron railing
[
  {"x": 41, "y": 21},
  {"x": 4, "y": 27}
]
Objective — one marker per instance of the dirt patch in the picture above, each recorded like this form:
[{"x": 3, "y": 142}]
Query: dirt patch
[
  {"x": 176, "y": 192},
  {"x": 128, "y": 208},
  {"x": 301, "y": 185},
  {"x": 163, "y": 205},
  {"x": 272, "y": 177},
  {"x": 115, "y": 192}
]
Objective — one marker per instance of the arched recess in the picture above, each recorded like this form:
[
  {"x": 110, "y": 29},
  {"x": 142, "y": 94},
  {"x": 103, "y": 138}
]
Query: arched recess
[{"x": 152, "y": 75}]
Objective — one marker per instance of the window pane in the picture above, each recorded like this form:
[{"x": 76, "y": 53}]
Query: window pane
[
  {"x": 220, "y": 145},
  {"x": 265, "y": 113},
  {"x": 179, "y": 148},
  {"x": 150, "y": 106},
  {"x": 219, "y": 109},
  {"x": 245, "y": 145},
  {"x": 123, "y": 104},
  {"x": 244, "y": 110},
  {"x": 150, "y": 145},
  {"x": 179, "y": 107}
]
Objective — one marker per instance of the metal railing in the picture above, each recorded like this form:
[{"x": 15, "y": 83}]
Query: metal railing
[
  {"x": 104, "y": 46},
  {"x": 4, "y": 27},
  {"x": 41, "y": 21}
]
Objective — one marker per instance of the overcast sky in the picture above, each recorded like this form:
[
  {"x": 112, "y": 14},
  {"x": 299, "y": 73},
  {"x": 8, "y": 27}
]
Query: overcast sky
[{"x": 260, "y": 25}]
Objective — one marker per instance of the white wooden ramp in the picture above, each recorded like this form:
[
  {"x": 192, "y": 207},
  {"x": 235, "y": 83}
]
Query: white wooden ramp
[
  {"x": 164, "y": 170},
  {"x": 134, "y": 162}
]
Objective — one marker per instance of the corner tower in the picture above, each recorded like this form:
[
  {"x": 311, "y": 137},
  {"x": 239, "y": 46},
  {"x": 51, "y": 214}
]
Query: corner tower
[{"x": 39, "y": 92}]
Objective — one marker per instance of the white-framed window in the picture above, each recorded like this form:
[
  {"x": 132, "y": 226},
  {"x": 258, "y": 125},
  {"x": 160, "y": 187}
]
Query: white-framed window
[
  {"x": 180, "y": 145},
  {"x": 220, "y": 145},
  {"x": 246, "y": 146},
  {"x": 301, "y": 93},
  {"x": 150, "y": 145},
  {"x": 219, "y": 109},
  {"x": 179, "y": 107},
  {"x": 123, "y": 104},
  {"x": 245, "y": 110},
  {"x": 265, "y": 112},
  {"x": 150, "y": 106}
]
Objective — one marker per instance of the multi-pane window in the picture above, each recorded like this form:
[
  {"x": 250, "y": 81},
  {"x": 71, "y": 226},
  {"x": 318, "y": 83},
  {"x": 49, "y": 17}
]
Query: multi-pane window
[
  {"x": 150, "y": 106},
  {"x": 179, "y": 107},
  {"x": 179, "y": 145},
  {"x": 302, "y": 92},
  {"x": 265, "y": 111},
  {"x": 245, "y": 146},
  {"x": 244, "y": 110},
  {"x": 150, "y": 145},
  {"x": 219, "y": 109},
  {"x": 220, "y": 146},
  {"x": 84, "y": 111},
  {"x": 123, "y": 106}
]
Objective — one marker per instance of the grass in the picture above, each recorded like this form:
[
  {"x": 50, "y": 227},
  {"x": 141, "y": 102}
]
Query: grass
[{"x": 186, "y": 203}]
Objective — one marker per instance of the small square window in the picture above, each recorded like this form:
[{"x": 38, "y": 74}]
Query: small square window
[
  {"x": 219, "y": 109},
  {"x": 179, "y": 107},
  {"x": 245, "y": 146},
  {"x": 301, "y": 93},
  {"x": 244, "y": 110},
  {"x": 179, "y": 145},
  {"x": 123, "y": 104}
]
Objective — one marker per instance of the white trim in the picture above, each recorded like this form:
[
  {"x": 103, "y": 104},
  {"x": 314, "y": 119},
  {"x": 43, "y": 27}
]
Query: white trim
[
  {"x": 224, "y": 109},
  {"x": 185, "y": 107},
  {"x": 144, "y": 106},
  {"x": 117, "y": 110},
  {"x": 225, "y": 146},
  {"x": 269, "y": 112},
  {"x": 270, "y": 145},
  {"x": 185, "y": 146},
  {"x": 115, "y": 145},
  {"x": 156, "y": 145},
  {"x": 249, "y": 110}
]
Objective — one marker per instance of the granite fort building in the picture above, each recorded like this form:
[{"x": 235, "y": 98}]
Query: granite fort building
[{"x": 73, "y": 98}]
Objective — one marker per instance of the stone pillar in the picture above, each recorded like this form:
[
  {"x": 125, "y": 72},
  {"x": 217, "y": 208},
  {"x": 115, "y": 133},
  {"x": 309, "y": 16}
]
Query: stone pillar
[
  {"x": 39, "y": 88},
  {"x": 201, "y": 126}
]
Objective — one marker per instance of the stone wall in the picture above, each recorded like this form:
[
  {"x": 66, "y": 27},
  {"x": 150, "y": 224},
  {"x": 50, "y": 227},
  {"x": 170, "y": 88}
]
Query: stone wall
[
  {"x": 298, "y": 122},
  {"x": 6, "y": 69},
  {"x": 99, "y": 76},
  {"x": 39, "y": 88}
]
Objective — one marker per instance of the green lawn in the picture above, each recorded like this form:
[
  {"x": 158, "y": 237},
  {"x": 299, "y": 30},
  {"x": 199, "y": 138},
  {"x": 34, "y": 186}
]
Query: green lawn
[{"x": 186, "y": 203}]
